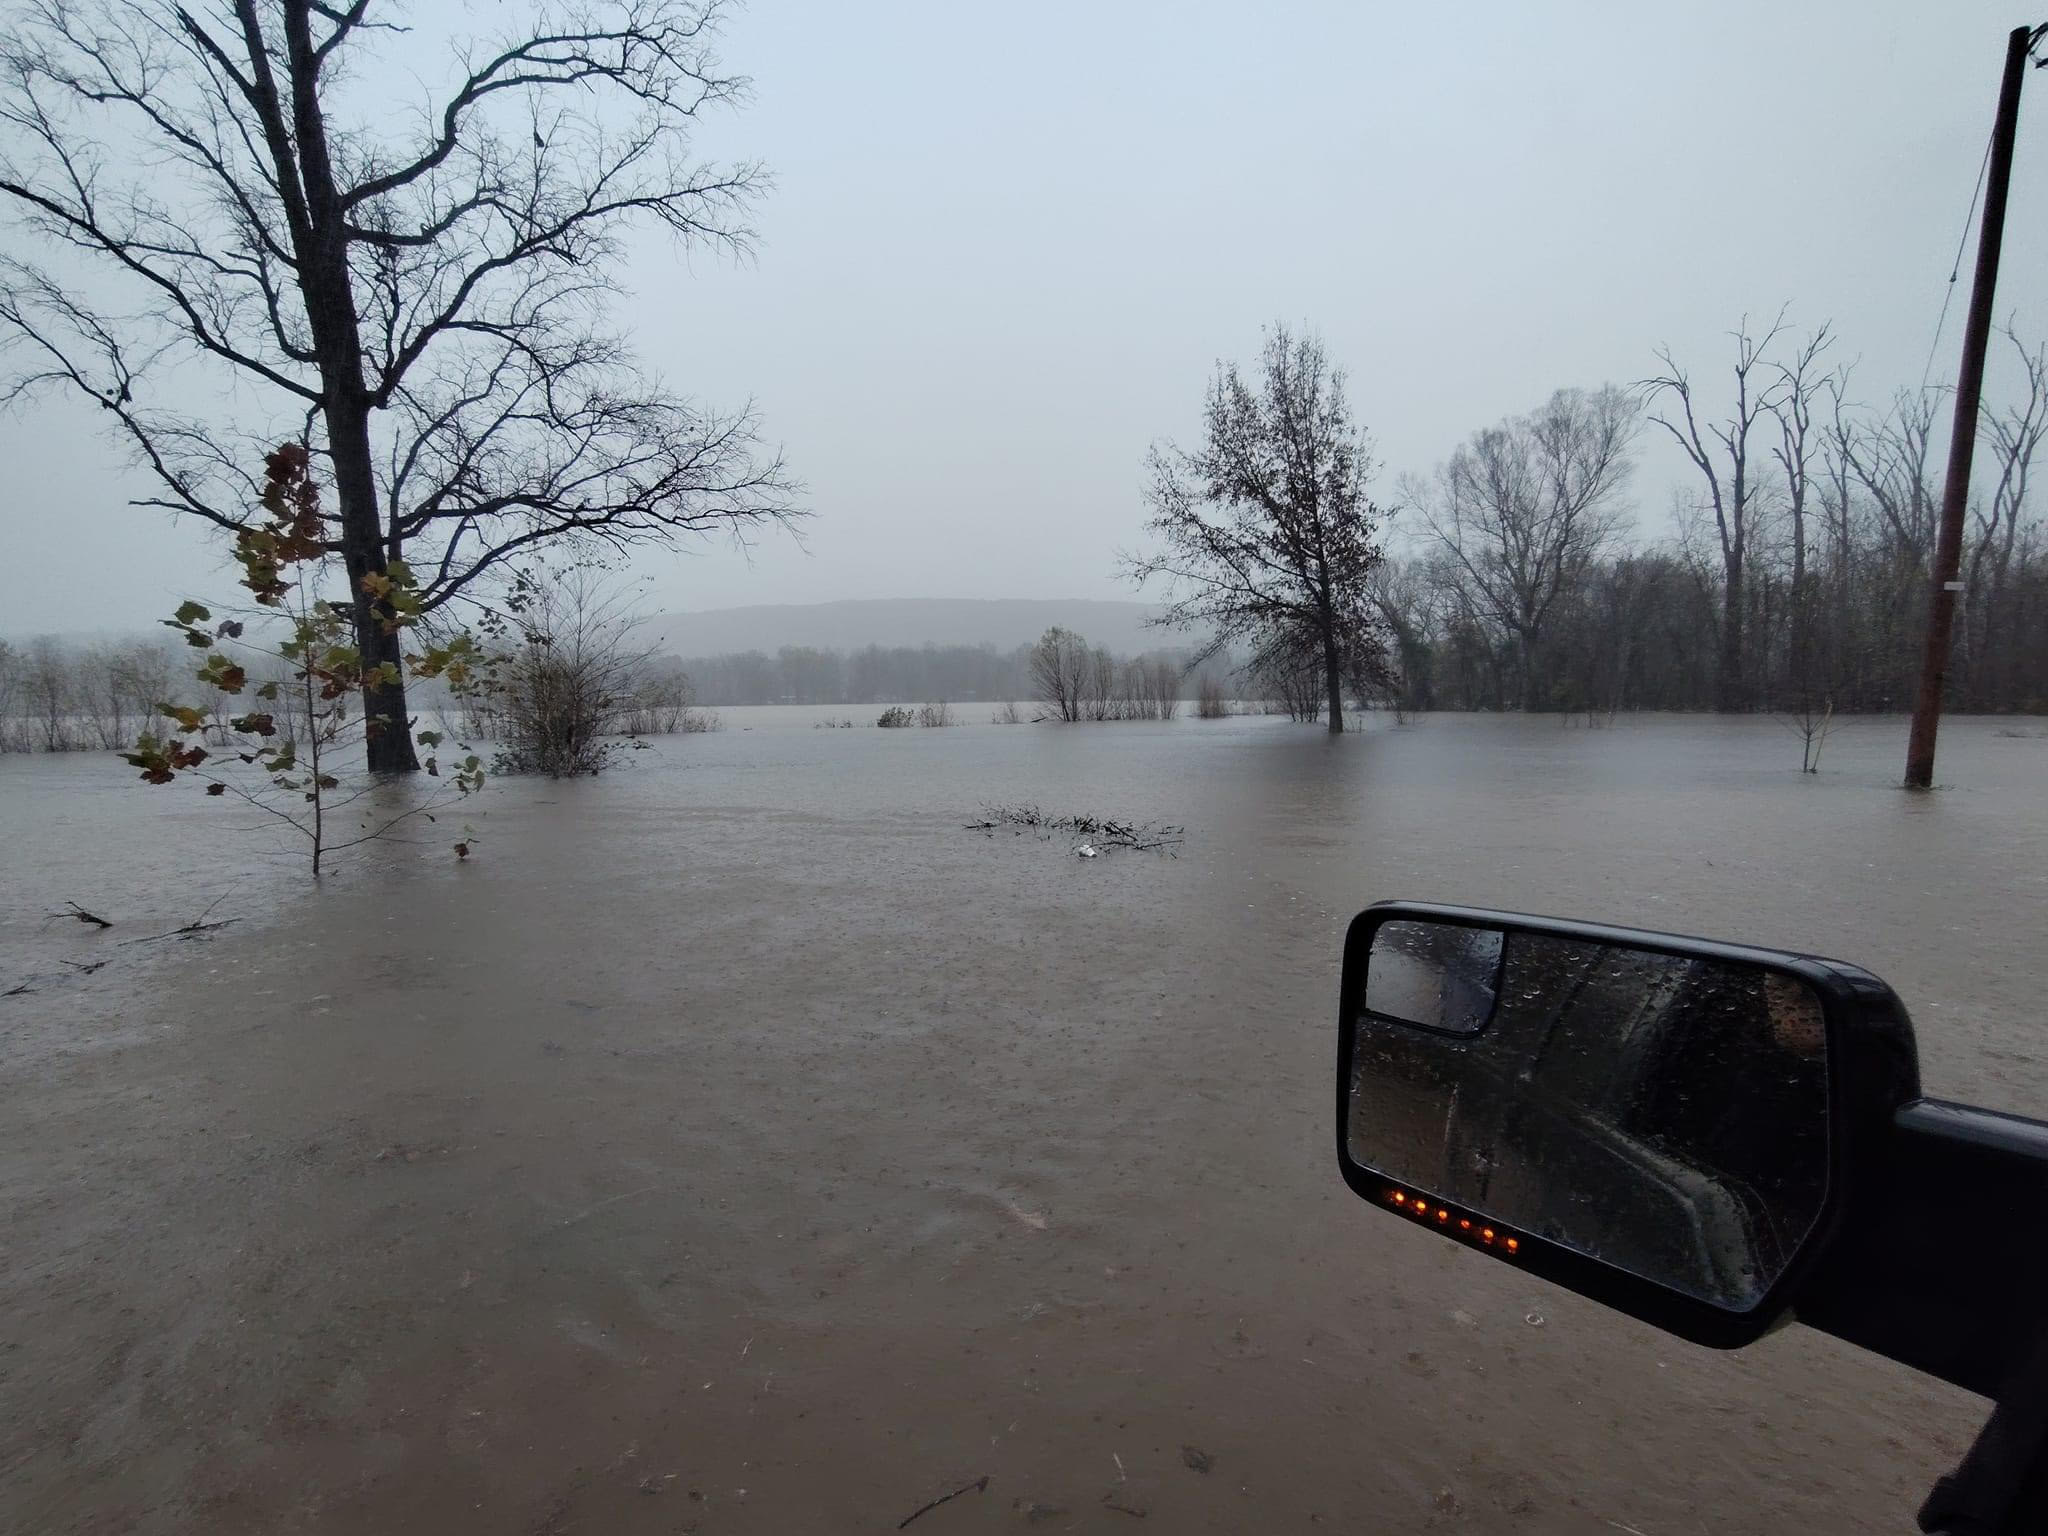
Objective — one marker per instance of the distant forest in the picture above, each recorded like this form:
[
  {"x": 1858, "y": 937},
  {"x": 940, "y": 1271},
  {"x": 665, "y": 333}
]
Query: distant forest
[
  {"x": 877, "y": 674},
  {"x": 1800, "y": 577}
]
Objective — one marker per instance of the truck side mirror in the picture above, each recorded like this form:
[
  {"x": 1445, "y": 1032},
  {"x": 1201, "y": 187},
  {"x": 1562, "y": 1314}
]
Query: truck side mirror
[{"x": 1659, "y": 1123}]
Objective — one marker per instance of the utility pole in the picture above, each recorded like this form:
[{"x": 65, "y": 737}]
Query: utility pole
[{"x": 1962, "y": 442}]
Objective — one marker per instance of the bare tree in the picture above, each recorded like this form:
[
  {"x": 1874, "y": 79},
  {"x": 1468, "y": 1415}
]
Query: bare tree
[
  {"x": 48, "y": 689},
  {"x": 570, "y": 676},
  {"x": 1061, "y": 668},
  {"x": 101, "y": 697},
  {"x": 1266, "y": 529},
  {"x": 1802, "y": 383},
  {"x": 1162, "y": 680},
  {"x": 1294, "y": 681},
  {"x": 416, "y": 293},
  {"x": 10, "y": 686},
  {"x": 1721, "y": 452},
  {"x": 1101, "y": 698},
  {"x": 1893, "y": 459},
  {"x": 2016, "y": 435},
  {"x": 1524, "y": 508}
]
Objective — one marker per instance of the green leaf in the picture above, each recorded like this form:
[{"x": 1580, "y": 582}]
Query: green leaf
[
  {"x": 190, "y": 612},
  {"x": 430, "y": 738},
  {"x": 223, "y": 673},
  {"x": 267, "y": 691}
]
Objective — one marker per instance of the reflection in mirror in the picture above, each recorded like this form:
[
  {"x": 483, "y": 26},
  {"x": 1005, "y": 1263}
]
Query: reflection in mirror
[
  {"x": 1437, "y": 975},
  {"x": 1665, "y": 1114}
]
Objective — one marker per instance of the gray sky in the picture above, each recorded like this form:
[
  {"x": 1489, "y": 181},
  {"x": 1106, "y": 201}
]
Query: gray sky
[{"x": 1007, "y": 245}]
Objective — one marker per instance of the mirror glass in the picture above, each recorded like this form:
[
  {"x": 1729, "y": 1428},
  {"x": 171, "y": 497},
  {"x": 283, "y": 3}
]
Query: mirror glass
[
  {"x": 1666, "y": 1114},
  {"x": 1438, "y": 975}
]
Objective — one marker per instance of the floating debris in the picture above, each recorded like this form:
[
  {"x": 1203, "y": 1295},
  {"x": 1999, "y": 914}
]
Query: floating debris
[{"x": 1098, "y": 834}]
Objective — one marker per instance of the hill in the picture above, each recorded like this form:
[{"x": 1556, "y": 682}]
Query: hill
[{"x": 847, "y": 626}]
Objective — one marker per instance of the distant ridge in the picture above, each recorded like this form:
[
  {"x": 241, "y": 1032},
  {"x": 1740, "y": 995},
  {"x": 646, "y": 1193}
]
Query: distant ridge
[{"x": 1005, "y": 623}]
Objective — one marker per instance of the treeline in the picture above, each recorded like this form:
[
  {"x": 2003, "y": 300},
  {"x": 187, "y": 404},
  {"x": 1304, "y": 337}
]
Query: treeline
[
  {"x": 877, "y": 674},
  {"x": 1799, "y": 577},
  {"x": 64, "y": 697},
  {"x": 56, "y": 697}
]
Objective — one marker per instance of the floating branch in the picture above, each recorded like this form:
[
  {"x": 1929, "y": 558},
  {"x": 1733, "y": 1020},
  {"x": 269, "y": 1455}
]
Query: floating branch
[{"x": 1095, "y": 834}]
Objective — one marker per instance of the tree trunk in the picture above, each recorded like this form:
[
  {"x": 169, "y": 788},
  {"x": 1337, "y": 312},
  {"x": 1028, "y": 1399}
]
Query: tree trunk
[
  {"x": 1333, "y": 678},
  {"x": 387, "y": 728},
  {"x": 1728, "y": 692},
  {"x": 326, "y": 285}
]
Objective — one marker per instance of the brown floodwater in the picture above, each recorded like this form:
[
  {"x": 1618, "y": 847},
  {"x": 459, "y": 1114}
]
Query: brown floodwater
[{"x": 737, "y": 1144}]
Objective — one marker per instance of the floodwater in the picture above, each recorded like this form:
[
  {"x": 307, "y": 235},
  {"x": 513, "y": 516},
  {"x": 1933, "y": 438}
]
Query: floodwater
[{"x": 737, "y": 1144}]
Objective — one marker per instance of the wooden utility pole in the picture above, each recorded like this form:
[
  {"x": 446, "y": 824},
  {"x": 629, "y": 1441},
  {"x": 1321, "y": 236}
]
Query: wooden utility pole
[{"x": 1962, "y": 443}]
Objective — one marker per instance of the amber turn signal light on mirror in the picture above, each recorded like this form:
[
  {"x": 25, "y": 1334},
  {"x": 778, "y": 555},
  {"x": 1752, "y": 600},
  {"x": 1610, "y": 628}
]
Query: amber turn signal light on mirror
[{"x": 1472, "y": 1229}]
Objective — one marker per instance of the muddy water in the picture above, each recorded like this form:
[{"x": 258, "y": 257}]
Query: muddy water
[{"x": 735, "y": 1144}]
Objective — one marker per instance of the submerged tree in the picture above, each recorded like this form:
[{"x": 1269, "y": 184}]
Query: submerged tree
[
  {"x": 284, "y": 561},
  {"x": 1060, "y": 663},
  {"x": 416, "y": 289},
  {"x": 1525, "y": 509},
  {"x": 1266, "y": 530},
  {"x": 1728, "y": 465}
]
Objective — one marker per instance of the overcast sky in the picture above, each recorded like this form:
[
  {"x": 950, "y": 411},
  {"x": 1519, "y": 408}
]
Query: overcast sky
[{"x": 1007, "y": 245}]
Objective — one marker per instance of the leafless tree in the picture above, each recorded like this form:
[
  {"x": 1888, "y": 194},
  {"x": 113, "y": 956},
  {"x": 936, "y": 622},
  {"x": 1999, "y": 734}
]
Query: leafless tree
[
  {"x": 1162, "y": 688},
  {"x": 1266, "y": 531},
  {"x": 1293, "y": 681},
  {"x": 418, "y": 292},
  {"x": 1799, "y": 452},
  {"x": 569, "y": 674},
  {"x": 118, "y": 686},
  {"x": 1061, "y": 667},
  {"x": 1894, "y": 459},
  {"x": 1100, "y": 698},
  {"x": 1525, "y": 507},
  {"x": 1722, "y": 454},
  {"x": 10, "y": 688},
  {"x": 48, "y": 693},
  {"x": 2015, "y": 435}
]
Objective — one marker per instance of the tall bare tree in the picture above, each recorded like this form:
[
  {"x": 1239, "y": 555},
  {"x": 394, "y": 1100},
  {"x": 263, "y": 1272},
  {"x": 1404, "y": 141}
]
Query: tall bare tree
[
  {"x": 1722, "y": 454},
  {"x": 224, "y": 201},
  {"x": 1800, "y": 453},
  {"x": 2015, "y": 435},
  {"x": 1266, "y": 533},
  {"x": 1061, "y": 667},
  {"x": 1525, "y": 507}
]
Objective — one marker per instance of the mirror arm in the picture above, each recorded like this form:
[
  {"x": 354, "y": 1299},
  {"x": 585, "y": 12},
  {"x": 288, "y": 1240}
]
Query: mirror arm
[
  {"x": 1941, "y": 1260},
  {"x": 2001, "y": 1487}
]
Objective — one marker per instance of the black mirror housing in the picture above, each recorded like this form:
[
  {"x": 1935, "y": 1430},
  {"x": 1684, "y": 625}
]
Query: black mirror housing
[{"x": 1626, "y": 1178}]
